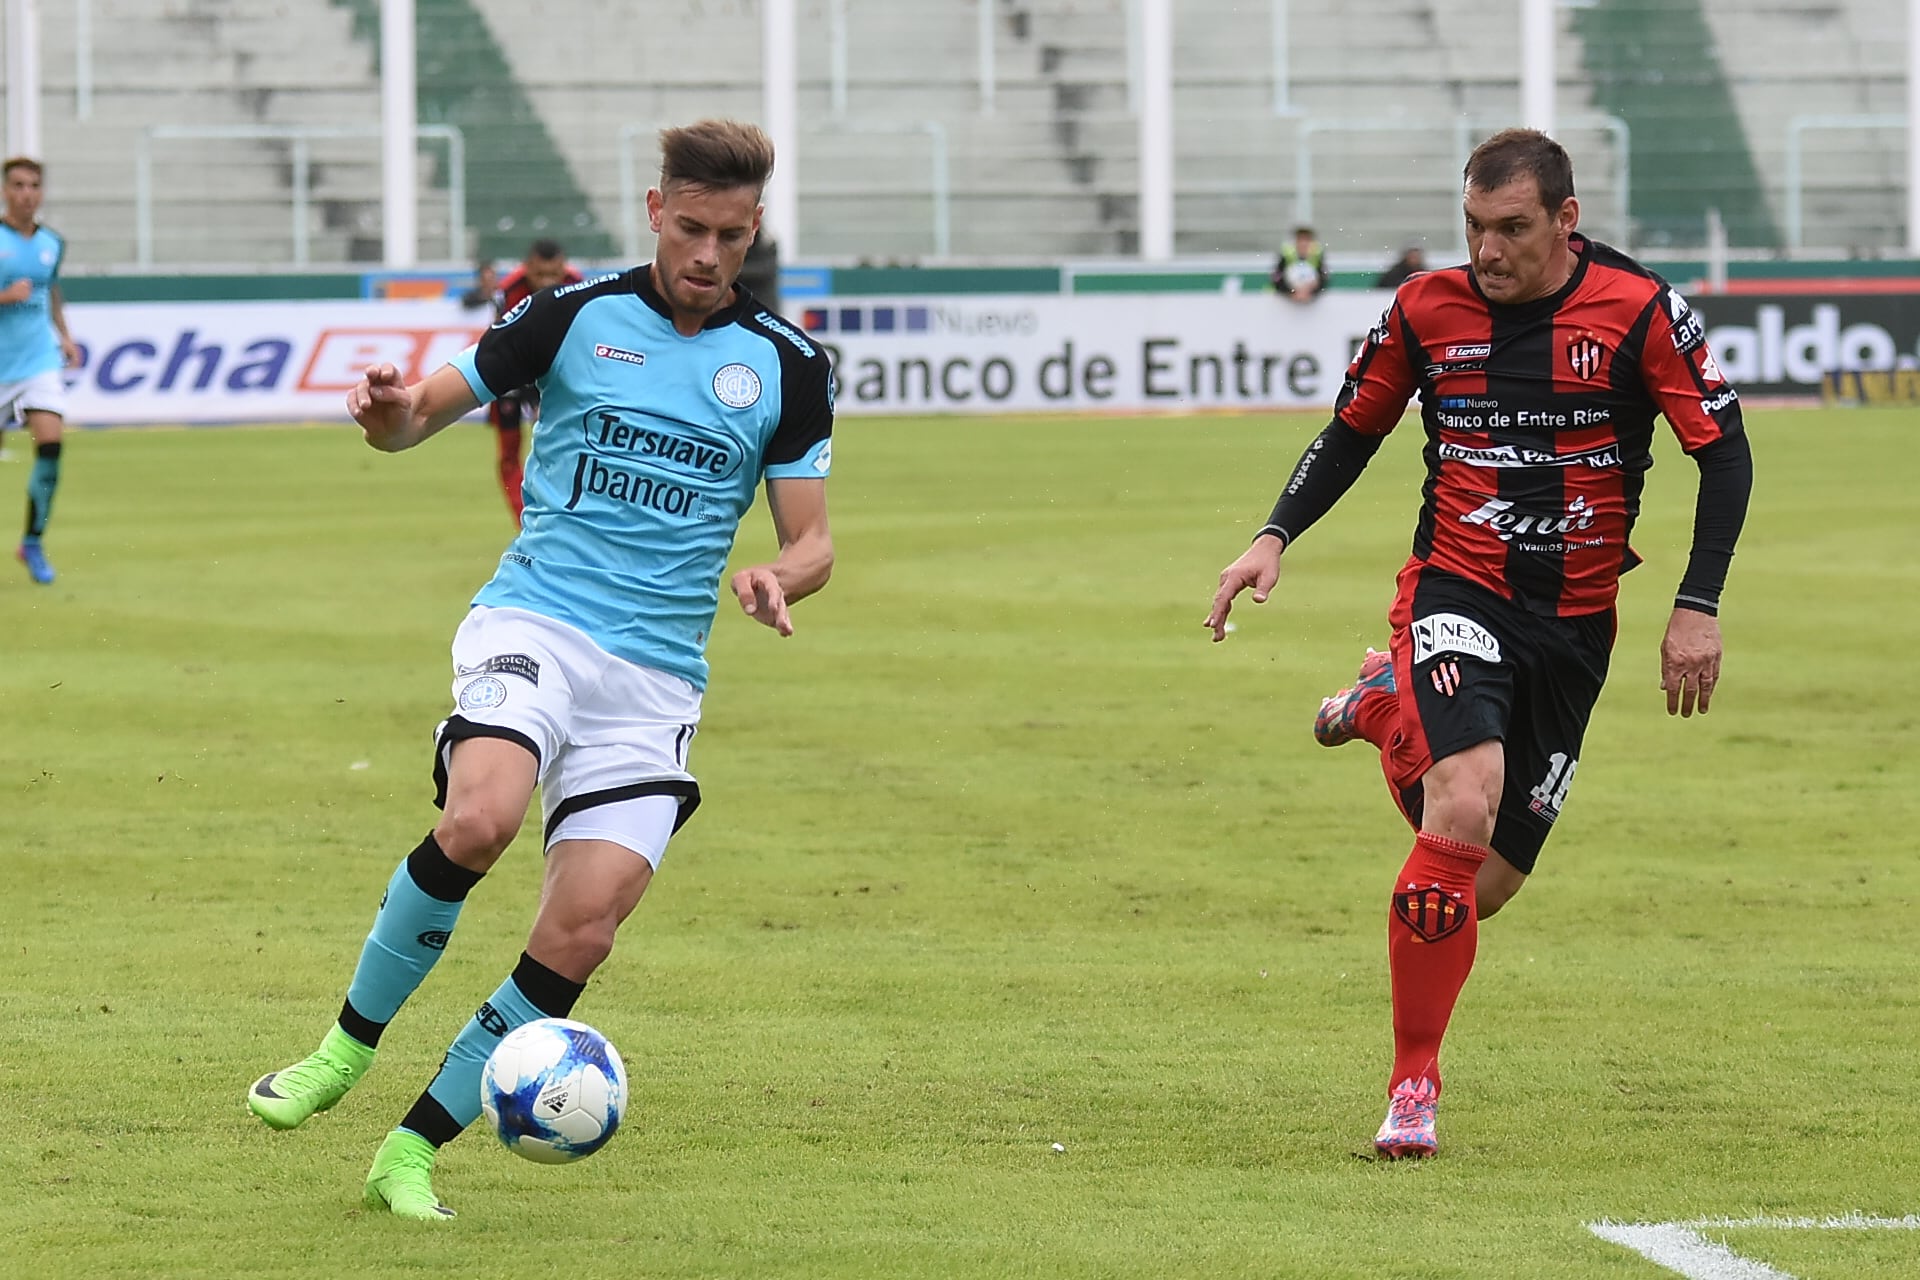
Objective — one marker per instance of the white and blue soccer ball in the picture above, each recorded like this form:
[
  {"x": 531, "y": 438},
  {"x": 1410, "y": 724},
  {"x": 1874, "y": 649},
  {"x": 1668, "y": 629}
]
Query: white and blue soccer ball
[{"x": 554, "y": 1090}]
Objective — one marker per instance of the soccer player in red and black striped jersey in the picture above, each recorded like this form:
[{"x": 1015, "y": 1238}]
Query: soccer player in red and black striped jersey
[
  {"x": 544, "y": 267},
  {"x": 1540, "y": 366}
]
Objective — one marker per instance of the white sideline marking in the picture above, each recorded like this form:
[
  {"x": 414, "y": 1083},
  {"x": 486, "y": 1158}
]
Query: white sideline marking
[{"x": 1679, "y": 1246}]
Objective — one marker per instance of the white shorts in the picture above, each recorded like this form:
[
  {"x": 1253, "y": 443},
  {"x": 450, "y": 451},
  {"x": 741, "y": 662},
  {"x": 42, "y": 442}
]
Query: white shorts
[
  {"x": 45, "y": 391},
  {"x": 611, "y": 735}
]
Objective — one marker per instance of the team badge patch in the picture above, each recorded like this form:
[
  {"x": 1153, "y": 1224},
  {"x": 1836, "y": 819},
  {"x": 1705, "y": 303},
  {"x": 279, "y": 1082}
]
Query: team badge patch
[
  {"x": 1432, "y": 912},
  {"x": 1584, "y": 354},
  {"x": 483, "y": 693},
  {"x": 737, "y": 386},
  {"x": 1446, "y": 677}
]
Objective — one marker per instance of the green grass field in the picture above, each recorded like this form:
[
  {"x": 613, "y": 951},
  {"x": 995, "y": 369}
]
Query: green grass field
[{"x": 998, "y": 852}]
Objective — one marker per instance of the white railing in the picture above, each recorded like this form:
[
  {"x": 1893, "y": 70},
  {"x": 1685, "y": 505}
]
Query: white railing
[
  {"x": 940, "y": 188},
  {"x": 301, "y": 137},
  {"x": 1797, "y": 129},
  {"x": 1462, "y": 128}
]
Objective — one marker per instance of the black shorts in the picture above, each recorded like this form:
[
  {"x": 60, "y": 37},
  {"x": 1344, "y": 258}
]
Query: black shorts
[{"x": 1472, "y": 667}]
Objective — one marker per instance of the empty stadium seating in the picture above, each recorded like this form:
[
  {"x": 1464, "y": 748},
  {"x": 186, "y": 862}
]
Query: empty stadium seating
[{"x": 556, "y": 108}]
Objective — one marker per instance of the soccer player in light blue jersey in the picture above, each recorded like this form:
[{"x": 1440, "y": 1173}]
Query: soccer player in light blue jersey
[
  {"x": 668, "y": 395},
  {"x": 34, "y": 346}
]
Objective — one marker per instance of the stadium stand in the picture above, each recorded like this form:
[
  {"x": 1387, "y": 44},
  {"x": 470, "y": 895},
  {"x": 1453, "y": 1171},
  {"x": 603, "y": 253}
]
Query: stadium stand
[
  {"x": 214, "y": 64},
  {"x": 1383, "y": 97}
]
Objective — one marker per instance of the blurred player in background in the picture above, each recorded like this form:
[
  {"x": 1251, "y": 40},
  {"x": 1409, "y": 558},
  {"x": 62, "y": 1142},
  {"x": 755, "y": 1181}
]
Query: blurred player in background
[
  {"x": 1300, "y": 272},
  {"x": 544, "y": 267},
  {"x": 34, "y": 347},
  {"x": 1540, "y": 366},
  {"x": 581, "y": 665}
]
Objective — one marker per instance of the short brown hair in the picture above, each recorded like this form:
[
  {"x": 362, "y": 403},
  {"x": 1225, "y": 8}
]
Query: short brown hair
[
  {"x": 1512, "y": 154},
  {"x": 21, "y": 162},
  {"x": 716, "y": 153}
]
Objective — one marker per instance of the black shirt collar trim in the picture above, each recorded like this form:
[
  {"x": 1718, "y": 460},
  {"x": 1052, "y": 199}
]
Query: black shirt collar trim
[{"x": 729, "y": 314}]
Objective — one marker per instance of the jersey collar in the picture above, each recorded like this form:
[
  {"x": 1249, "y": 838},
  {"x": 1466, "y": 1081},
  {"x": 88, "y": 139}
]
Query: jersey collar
[{"x": 643, "y": 287}]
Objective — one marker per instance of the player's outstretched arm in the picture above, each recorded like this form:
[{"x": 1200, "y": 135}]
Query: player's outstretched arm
[
  {"x": 1690, "y": 661},
  {"x": 395, "y": 416},
  {"x": 805, "y": 562},
  {"x": 1258, "y": 567}
]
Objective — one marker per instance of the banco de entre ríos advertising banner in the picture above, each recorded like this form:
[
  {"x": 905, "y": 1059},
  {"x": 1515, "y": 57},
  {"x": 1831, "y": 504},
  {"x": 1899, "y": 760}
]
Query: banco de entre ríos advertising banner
[
  {"x": 1106, "y": 352},
  {"x": 293, "y": 361}
]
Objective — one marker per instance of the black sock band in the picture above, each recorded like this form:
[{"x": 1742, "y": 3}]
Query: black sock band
[
  {"x": 430, "y": 1120},
  {"x": 438, "y": 875},
  {"x": 359, "y": 1026},
  {"x": 51, "y": 449},
  {"x": 546, "y": 990}
]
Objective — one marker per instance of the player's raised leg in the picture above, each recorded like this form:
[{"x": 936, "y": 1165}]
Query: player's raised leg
[
  {"x": 592, "y": 885},
  {"x": 1366, "y": 710},
  {"x": 489, "y": 782}
]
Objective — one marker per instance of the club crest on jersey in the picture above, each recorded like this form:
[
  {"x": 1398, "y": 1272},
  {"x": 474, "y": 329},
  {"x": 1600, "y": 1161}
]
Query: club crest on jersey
[
  {"x": 737, "y": 386},
  {"x": 519, "y": 309},
  {"x": 482, "y": 693},
  {"x": 1432, "y": 912},
  {"x": 1584, "y": 354}
]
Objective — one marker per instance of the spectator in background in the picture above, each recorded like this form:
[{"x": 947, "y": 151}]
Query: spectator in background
[
  {"x": 544, "y": 267},
  {"x": 486, "y": 287},
  {"x": 1411, "y": 262},
  {"x": 1300, "y": 272}
]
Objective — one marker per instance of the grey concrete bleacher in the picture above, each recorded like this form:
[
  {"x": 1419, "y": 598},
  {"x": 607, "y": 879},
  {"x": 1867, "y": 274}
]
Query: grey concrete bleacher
[
  {"x": 1794, "y": 58},
  {"x": 214, "y": 63},
  {"x": 1384, "y": 95}
]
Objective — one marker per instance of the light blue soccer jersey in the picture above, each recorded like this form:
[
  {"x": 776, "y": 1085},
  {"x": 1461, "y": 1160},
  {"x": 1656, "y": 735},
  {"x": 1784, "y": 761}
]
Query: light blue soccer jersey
[
  {"x": 27, "y": 342},
  {"x": 649, "y": 450}
]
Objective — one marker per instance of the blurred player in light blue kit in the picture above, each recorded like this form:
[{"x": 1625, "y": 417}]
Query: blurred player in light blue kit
[
  {"x": 34, "y": 346},
  {"x": 668, "y": 395}
]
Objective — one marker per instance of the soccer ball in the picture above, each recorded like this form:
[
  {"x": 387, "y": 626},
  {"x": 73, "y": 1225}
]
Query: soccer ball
[{"x": 554, "y": 1090}]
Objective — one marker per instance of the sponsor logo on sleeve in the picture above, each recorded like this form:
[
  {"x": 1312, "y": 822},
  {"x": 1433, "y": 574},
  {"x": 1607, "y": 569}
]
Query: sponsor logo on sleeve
[
  {"x": 1714, "y": 404},
  {"x": 1439, "y": 633},
  {"x": 773, "y": 323},
  {"x": 1688, "y": 331}
]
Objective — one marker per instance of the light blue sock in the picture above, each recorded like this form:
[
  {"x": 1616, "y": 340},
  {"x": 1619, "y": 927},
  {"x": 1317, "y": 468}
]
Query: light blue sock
[
  {"x": 417, "y": 916},
  {"x": 452, "y": 1101}
]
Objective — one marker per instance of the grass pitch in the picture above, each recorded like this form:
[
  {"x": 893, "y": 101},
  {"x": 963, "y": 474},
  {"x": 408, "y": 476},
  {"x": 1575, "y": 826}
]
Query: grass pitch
[{"x": 998, "y": 853}]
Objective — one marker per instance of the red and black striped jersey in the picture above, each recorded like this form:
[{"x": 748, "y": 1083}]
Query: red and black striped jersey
[{"x": 1539, "y": 420}]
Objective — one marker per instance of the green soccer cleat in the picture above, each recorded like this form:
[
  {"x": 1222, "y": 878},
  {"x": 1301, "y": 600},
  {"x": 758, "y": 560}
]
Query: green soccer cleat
[
  {"x": 285, "y": 1098},
  {"x": 401, "y": 1179}
]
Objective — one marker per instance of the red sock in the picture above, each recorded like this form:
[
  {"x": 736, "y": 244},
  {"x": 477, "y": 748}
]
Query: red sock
[
  {"x": 1377, "y": 717},
  {"x": 1433, "y": 928},
  {"x": 511, "y": 474}
]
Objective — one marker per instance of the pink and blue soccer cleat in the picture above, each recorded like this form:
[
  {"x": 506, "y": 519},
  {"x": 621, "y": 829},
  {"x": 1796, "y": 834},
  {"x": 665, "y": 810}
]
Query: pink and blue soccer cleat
[
  {"x": 1407, "y": 1133},
  {"x": 1338, "y": 721},
  {"x": 35, "y": 559}
]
